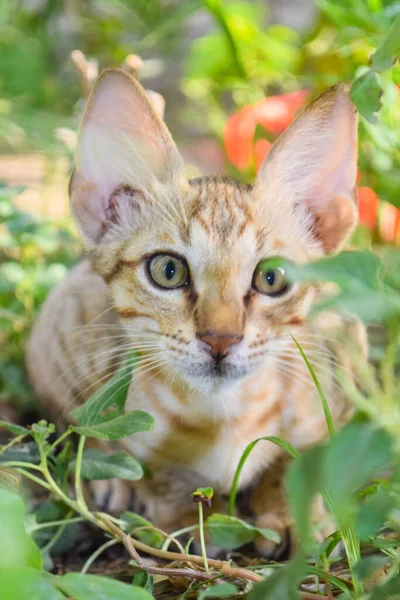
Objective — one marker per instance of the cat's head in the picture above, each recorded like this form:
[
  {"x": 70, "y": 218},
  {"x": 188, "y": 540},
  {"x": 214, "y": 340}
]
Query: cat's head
[{"x": 181, "y": 257}]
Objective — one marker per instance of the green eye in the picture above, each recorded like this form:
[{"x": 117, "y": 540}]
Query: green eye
[
  {"x": 168, "y": 272},
  {"x": 269, "y": 278}
]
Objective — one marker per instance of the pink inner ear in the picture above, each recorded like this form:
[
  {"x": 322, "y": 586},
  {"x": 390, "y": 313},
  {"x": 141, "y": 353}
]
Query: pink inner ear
[
  {"x": 89, "y": 208},
  {"x": 121, "y": 136},
  {"x": 122, "y": 142},
  {"x": 96, "y": 213},
  {"x": 314, "y": 163}
]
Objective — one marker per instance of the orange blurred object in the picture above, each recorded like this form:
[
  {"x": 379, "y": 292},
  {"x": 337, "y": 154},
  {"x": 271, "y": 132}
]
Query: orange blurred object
[
  {"x": 261, "y": 149},
  {"x": 238, "y": 137},
  {"x": 389, "y": 224},
  {"x": 274, "y": 114},
  {"x": 368, "y": 203},
  {"x": 277, "y": 112}
]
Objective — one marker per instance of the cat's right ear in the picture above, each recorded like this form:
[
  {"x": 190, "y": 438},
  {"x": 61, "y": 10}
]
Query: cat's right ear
[{"x": 124, "y": 149}]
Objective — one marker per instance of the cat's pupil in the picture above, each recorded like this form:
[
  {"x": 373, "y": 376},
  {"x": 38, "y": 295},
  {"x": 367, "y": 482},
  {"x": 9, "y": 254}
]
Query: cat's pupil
[
  {"x": 170, "y": 270},
  {"x": 270, "y": 277}
]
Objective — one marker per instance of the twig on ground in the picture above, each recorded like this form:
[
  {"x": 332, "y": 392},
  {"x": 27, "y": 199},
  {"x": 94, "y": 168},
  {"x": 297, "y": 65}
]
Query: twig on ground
[{"x": 219, "y": 565}]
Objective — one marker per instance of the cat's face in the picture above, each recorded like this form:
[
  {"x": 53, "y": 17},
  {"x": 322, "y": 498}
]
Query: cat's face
[
  {"x": 193, "y": 291},
  {"x": 182, "y": 258}
]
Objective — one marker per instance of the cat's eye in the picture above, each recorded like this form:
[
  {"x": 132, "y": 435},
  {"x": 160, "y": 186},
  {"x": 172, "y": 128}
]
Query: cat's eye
[
  {"x": 270, "y": 278},
  {"x": 168, "y": 272}
]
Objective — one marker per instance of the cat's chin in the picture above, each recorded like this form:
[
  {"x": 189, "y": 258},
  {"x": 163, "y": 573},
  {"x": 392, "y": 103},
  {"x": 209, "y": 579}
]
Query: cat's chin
[{"x": 211, "y": 378}]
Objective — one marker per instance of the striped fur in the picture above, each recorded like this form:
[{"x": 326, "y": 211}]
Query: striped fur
[{"x": 223, "y": 229}]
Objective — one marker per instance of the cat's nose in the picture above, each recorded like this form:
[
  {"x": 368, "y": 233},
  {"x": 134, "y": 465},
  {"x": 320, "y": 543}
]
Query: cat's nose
[{"x": 218, "y": 345}]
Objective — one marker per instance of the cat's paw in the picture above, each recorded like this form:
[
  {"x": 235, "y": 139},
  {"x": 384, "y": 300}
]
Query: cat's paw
[
  {"x": 272, "y": 550},
  {"x": 112, "y": 495}
]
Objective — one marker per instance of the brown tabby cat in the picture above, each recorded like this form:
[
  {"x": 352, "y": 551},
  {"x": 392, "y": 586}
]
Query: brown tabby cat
[{"x": 172, "y": 270}]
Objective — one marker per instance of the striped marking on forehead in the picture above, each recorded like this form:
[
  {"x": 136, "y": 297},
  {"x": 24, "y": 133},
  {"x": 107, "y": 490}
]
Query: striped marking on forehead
[{"x": 221, "y": 205}]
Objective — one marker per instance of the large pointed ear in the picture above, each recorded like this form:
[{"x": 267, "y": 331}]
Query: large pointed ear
[
  {"x": 124, "y": 155},
  {"x": 312, "y": 168}
]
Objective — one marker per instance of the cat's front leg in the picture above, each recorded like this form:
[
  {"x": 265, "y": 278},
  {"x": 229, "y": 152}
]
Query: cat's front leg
[{"x": 269, "y": 504}]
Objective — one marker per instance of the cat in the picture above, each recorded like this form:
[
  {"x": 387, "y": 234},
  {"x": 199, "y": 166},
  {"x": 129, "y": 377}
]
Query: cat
[{"x": 172, "y": 269}]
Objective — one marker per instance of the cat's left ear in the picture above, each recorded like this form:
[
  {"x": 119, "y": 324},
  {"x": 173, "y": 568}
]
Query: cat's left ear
[
  {"x": 312, "y": 168},
  {"x": 125, "y": 155}
]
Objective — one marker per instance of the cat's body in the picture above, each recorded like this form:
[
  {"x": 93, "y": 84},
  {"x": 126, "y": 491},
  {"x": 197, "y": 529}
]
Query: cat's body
[{"x": 218, "y": 367}]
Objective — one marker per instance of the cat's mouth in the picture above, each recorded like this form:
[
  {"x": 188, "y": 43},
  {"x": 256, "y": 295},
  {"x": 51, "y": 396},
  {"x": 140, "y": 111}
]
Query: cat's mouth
[{"x": 217, "y": 372}]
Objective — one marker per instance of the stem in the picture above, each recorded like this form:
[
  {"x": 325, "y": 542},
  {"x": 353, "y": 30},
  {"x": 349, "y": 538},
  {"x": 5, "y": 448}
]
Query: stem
[
  {"x": 105, "y": 522},
  {"x": 55, "y": 523},
  {"x": 166, "y": 535},
  {"x": 176, "y": 533},
  {"x": 52, "y": 486},
  {"x": 59, "y": 440},
  {"x": 78, "y": 467},
  {"x": 20, "y": 463},
  {"x": 33, "y": 478},
  {"x": 202, "y": 541},
  {"x": 55, "y": 537},
  {"x": 224, "y": 567},
  {"x": 13, "y": 442},
  {"x": 97, "y": 553}
]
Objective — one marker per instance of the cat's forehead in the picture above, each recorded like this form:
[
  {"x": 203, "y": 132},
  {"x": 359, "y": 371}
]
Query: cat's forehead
[
  {"x": 221, "y": 207},
  {"x": 221, "y": 202}
]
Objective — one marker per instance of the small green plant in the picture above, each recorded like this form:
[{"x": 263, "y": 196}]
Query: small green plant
[
  {"x": 101, "y": 417},
  {"x": 203, "y": 496},
  {"x": 34, "y": 256}
]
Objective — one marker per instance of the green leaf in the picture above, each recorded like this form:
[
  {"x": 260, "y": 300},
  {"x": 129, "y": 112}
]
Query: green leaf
[
  {"x": 144, "y": 580},
  {"x": 387, "y": 51},
  {"x": 17, "y": 429},
  {"x": 62, "y": 460},
  {"x": 360, "y": 267},
  {"x": 279, "y": 585},
  {"x": 42, "y": 430},
  {"x": 21, "y": 583},
  {"x": 97, "y": 464},
  {"x": 365, "y": 284},
  {"x": 151, "y": 537},
  {"x": 22, "y": 452},
  {"x": 230, "y": 532},
  {"x": 112, "y": 393},
  {"x": 19, "y": 548},
  {"x": 366, "y": 304},
  {"x": 303, "y": 481},
  {"x": 119, "y": 427},
  {"x": 366, "y": 92},
  {"x": 389, "y": 591},
  {"x": 383, "y": 543},
  {"x": 95, "y": 587},
  {"x": 356, "y": 453},
  {"x": 372, "y": 514},
  {"x": 222, "y": 590},
  {"x": 369, "y": 565},
  {"x": 47, "y": 512}
]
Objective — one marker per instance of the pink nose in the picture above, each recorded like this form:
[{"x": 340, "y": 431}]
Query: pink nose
[{"x": 218, "y": 345}]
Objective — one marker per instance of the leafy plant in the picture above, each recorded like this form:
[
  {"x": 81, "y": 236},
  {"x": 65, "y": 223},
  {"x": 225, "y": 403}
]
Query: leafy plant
[{"x": 34, "y": 256}]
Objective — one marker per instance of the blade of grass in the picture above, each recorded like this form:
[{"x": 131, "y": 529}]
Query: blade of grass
[
  {"x": 325, "y": 405},
  {"x": 275, "y": 440},
  {"x": 349, "y": 538}
]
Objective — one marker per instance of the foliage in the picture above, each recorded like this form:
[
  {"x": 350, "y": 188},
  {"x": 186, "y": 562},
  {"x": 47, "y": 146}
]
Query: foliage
[
  {"x": 246, "y": 79},
  {"x": 339, "y": 48},
  {"x": 34, "y": 256},
  {"x": 363, "y": 448}
]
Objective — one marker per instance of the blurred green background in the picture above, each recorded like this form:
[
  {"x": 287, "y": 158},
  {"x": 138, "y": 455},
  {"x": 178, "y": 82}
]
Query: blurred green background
[{"x": 214, "y": 62}]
